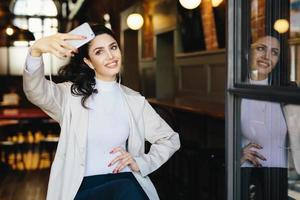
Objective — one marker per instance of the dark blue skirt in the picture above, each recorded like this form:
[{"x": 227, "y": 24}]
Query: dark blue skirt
[{"x": 121, "y": 186}]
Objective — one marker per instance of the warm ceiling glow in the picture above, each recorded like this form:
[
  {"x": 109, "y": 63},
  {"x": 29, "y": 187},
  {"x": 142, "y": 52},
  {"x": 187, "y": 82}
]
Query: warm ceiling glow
[
  {"x": 190, "y": 4},
  {"x": 135, "y": 21},
  {"x": 9, "y": 31},
  {"x": 281, "y": 25},
  {"x": 216, "y": 3}
]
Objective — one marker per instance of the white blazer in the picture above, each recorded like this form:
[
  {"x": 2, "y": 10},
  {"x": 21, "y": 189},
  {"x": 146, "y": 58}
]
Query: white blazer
[
  {"x": 292, "y": 117},
  {"x": 68, "y": 167}
]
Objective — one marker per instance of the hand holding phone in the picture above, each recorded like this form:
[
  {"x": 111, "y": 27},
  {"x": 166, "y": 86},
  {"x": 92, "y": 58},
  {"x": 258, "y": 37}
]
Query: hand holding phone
[{"x": 84, "y": 30}]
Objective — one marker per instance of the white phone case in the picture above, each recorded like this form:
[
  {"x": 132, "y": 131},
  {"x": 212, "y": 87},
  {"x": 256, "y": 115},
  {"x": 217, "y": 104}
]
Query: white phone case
[{"x": 85, "y": 30}]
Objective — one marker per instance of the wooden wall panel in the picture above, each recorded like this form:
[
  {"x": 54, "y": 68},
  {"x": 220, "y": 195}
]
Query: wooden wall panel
[
  {"x": 217, "y": 79},
  {"x": 201, "y": 75},
  {"x": 193, "y": 78}
]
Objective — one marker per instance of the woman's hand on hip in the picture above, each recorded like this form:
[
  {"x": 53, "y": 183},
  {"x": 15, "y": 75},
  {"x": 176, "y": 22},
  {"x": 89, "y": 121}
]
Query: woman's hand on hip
[
  {"x": 55, "y": 44},
  {"x": 251, "y": 155},
  {"x": 123, "y": 160}
]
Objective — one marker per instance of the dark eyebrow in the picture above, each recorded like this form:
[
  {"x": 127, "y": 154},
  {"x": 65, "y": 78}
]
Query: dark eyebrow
[
  {"x": 262, "y": 45},
  {"x": 101, "y": 48},
  {"x": 113, "y": 43},
  {"x": 276, "y": 49},
  {"x": 98, "y": 48}
]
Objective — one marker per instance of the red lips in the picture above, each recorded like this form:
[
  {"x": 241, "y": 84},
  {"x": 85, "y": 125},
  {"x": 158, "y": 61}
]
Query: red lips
[
  {"x": 112, "y": 64},
  {"x": 263, "y": 63}
]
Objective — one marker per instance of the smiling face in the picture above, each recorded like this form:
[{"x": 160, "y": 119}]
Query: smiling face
[
  {"x": 264, "y": 57},
  {"x": 104, "y": 57}
]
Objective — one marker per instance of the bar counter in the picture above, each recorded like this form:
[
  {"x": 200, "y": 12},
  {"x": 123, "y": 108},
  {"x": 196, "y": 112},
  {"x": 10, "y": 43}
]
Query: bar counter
[{"x": 215, "y": 110}]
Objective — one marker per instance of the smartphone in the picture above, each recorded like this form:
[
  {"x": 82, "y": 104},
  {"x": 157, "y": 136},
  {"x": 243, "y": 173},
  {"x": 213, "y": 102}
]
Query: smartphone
[{"x": 85, "y": 30}]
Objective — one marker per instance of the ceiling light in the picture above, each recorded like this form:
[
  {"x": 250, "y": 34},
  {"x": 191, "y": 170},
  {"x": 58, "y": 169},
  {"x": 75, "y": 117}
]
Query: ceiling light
[
  {"x": 135, "y": 21},
  {"x": 190, "y": 4},
  {"x": 216, "y": 3},
  {"x": 281, "y": 25}
]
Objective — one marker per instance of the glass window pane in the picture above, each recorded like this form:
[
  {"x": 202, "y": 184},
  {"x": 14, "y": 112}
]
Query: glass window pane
[
  {"x": 35, "y": 7},
  {"x": 50, "y": 26},
  {"x": 208, "y": 32},
  {"x": 48, "y": 8},
  {"x": 47, "y": 24},
  {"x": 264, "y": 56},
  {"x": 270, "y": 150},
  {"x": 270, "y": 43},
  {"x": 38, "y": 25},
  {"x": 21, "y": 22},
  {"x": 54, "y": 22},
  {"x": 35, "y": 24},
  {"x": 16, "y": 65},
  {"x": 19, "y": 7}
]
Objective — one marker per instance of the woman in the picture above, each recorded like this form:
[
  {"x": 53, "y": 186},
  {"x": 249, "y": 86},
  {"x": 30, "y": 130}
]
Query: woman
[
  {"x": 100, "y": 154},
  {"x": 264, "y": 131}
]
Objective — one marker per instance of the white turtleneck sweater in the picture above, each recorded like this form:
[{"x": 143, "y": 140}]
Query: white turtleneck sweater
[
  {"x": 263, "y": 123},
  {"x": 108, "y": 127},
  {"x": 108, "y": 123}
]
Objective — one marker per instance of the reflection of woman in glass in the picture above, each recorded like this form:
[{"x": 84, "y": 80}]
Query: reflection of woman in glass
[
  {"x": 264, "y": 56},
  {"x": 264, "y": 131}
]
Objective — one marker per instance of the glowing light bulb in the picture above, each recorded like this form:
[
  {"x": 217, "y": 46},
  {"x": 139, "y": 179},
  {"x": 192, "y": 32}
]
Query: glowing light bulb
[
  {"x": 135, "y": 21},
  {"x": 216, "y": 3},
  {"x": 9, "y": 31},
  {"x": 281, "y": 25},
  {"x": 190, "y": 4}
]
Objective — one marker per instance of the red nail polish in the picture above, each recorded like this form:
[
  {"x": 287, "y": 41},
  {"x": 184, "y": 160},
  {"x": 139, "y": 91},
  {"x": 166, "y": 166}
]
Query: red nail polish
[{"x": 109, "y": 164}]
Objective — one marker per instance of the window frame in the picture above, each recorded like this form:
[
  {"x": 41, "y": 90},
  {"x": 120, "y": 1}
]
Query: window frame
[
  {"x": 52, "y": 28},
  {"x": 236, "y": 90}
]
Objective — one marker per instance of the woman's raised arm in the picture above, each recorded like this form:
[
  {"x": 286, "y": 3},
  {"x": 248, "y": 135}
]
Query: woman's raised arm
[{"x": 41, "y": 92}]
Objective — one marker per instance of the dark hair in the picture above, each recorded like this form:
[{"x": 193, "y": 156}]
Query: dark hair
[{"x": 79, "y": 73}]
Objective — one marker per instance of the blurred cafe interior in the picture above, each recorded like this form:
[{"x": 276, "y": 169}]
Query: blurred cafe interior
[{"x": 187, "y": 60}]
